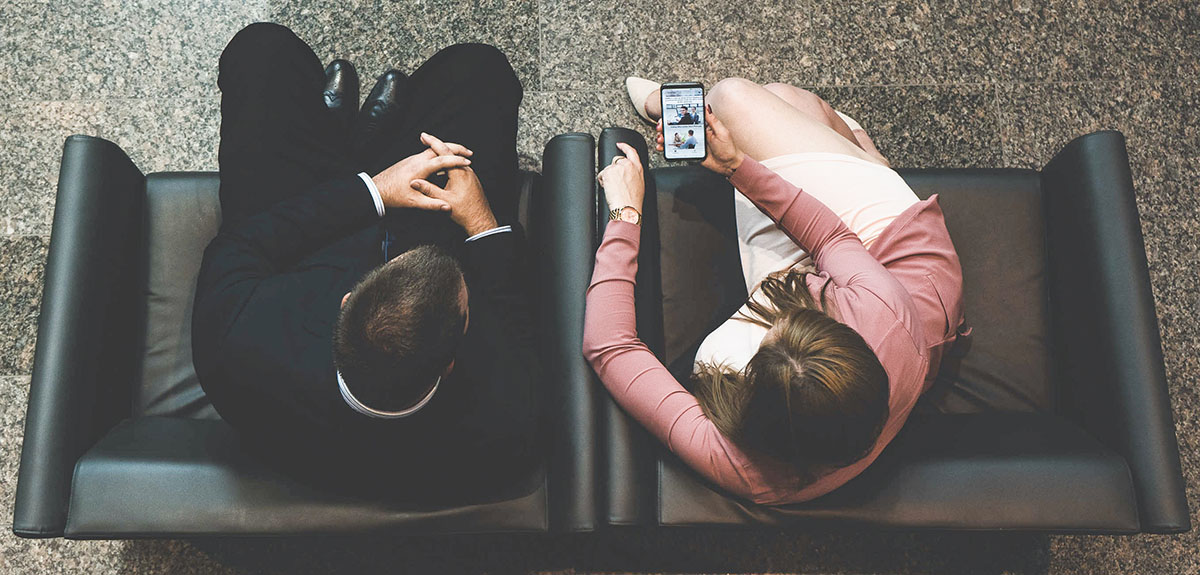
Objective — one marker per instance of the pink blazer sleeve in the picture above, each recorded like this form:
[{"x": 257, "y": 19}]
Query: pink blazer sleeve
[{"x": 640, "y": 383}]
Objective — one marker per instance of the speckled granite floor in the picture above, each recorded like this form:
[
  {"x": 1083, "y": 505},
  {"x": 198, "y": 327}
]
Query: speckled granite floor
[{"x": 937, "y": 82}]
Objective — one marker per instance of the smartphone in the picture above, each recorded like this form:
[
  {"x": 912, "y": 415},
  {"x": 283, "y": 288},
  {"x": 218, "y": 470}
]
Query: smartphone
[{"x": 683, "y": 121}]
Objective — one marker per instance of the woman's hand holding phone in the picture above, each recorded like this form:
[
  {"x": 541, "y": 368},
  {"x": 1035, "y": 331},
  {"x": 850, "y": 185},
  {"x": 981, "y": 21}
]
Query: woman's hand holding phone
[
  {"x": 723, "y": 157},
  {"x": 623, "y": 180}
]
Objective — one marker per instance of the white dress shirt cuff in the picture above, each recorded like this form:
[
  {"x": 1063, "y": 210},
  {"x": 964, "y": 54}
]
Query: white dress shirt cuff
[
  {"x": 498, "y": 230},
  {"x": 374, "y": 192}
]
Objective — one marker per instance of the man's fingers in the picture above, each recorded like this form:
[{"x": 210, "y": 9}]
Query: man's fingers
[
  {"x": 446, "y": 162},
  {"x": 444, "y": 148},
  {"x": 435, "y": 144},
  {"x": 429, "y": 196},
  {"x": 460, "y": 149}
]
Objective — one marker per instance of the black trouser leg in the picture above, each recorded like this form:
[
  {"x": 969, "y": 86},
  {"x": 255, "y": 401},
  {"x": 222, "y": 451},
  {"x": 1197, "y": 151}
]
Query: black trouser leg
[
  {"x": 277, "y": 137},
  {"x": 468, "y": 94}
]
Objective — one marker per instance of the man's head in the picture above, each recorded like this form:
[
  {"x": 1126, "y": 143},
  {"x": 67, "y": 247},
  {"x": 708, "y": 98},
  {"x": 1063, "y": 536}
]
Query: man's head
[
  {"x": 399, "y": 328},
  {"x": 691, "y": 132},
  {"x": 682, "y": 110}
]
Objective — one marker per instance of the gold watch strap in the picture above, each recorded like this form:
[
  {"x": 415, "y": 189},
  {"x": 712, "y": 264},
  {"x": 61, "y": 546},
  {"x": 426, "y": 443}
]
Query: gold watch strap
[{"x": 615, "y": 214}]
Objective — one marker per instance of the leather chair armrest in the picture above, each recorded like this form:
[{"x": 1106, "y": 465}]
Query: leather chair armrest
[
  {"x": 88, "y": 330},
  {"x": 568, "y": 178},
  {"x": 629, "y": 470},
  {"x": 1103, "y": 326}
]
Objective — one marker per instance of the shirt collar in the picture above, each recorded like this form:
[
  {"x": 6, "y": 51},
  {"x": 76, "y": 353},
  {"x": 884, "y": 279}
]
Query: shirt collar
[{"x": 358, "y": 406}]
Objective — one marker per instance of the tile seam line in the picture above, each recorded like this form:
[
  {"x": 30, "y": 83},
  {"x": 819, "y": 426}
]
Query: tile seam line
[
  {"x": 541, "y": 80},
  {"x": 1000, "y": 126},
  {"x": 541, "y": 64}
]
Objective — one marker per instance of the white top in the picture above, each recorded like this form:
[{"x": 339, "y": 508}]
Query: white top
[{"x": 865, "y": 195}]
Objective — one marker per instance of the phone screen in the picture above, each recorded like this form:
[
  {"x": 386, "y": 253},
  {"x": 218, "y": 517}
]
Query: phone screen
[{"x": 683, "y": 121}]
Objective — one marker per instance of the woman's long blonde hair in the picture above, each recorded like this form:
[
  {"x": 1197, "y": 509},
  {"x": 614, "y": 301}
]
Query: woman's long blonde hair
[{"x": 814, "y": 395}]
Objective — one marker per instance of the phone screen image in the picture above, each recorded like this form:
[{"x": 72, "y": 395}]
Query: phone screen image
[{"x": 683, "y": 121}]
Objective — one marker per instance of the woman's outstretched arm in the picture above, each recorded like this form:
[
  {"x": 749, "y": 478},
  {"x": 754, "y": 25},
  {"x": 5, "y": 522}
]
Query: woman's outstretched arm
[{"x": 637, "y": 380}]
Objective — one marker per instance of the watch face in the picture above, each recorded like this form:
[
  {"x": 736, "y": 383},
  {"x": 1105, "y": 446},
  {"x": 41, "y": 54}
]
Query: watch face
[{"x": 630, "y": 215}]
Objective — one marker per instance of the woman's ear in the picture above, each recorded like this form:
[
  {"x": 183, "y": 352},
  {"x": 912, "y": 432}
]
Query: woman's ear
[{"x": 344, "y": 298}]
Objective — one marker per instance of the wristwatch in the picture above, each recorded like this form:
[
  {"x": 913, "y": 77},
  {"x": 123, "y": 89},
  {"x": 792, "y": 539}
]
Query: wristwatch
[{"x": 628, "y": 214}]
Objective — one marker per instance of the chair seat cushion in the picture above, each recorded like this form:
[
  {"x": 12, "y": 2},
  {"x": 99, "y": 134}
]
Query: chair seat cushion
[
  {"x": 175, "y": 477},
  {"x": 995, "y": 218},
  {"x": 965, "y": 471}
]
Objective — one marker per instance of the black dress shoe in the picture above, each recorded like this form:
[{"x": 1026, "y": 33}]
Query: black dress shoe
[
  {"x": 381, "y": 108},
  {"x": 341, "y": 90}
]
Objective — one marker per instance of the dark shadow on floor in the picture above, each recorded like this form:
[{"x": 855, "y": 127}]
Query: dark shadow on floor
[{"x": 633, "y": 550}]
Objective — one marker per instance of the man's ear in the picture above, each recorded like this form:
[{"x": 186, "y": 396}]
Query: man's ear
[{"x": 344, "y": 298}]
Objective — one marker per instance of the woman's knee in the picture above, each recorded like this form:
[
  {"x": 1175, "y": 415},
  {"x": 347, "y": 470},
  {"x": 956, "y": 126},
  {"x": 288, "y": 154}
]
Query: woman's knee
[
  {"x": 730, "y": 93},
  {"x": 800, "y": 99}
]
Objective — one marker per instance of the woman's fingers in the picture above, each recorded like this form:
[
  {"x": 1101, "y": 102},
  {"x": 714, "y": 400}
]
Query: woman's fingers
[
  {"x": 630, "y": 153},
  {"x": 715, "y": 124}
]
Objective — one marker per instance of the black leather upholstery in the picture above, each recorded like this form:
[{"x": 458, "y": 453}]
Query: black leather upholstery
[
  {"x": 174, "y": 477},
  {"x": 1001, "y": 470},
  {"x": 183, "y": 213},
  {"x": 87, "y": 348},
  {"x": 567, "y": 208},
  {"x": 1105, "y": 332}
]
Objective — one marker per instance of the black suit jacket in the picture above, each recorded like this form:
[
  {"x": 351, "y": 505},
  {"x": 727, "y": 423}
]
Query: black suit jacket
[
  {"x": 685, "y": 119},
  {"x": 267, "y": 299}
]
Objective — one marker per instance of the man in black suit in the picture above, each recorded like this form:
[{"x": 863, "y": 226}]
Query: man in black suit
[
  {"x": 360, "y": 318},
  {"x": 685, "y": 117}
]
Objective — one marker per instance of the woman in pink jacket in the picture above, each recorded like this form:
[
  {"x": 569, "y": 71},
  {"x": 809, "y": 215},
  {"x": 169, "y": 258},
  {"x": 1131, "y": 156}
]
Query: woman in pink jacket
[{"x": 850, "y": 307}]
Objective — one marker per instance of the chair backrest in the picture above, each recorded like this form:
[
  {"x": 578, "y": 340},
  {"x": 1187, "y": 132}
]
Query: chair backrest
[
  {"x": 182, "y": 215},
  {"x": 995, "y": 218}
]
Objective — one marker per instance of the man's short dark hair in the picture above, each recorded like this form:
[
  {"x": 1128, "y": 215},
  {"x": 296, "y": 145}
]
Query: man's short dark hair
[
  {"x": 400, "y": 328},
  {"x": 691, "y": 132}
]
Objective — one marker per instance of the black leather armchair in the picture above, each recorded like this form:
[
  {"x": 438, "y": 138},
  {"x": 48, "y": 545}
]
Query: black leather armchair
[
  {"x": 1053, "y": 416},
  {"x": 120, "y": 441}
]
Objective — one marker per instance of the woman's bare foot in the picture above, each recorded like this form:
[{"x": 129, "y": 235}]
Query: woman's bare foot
[
  {"x": 654, "y": 105},
  {"x": 643, "y": 95}
]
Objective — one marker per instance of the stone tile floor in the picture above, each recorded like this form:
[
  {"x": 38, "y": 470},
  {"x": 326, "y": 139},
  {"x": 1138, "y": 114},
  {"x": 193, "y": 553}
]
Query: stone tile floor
[{"x": 937, "y": 82}]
